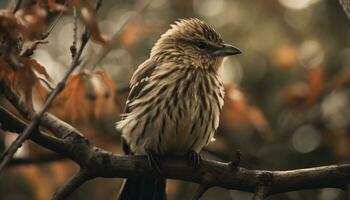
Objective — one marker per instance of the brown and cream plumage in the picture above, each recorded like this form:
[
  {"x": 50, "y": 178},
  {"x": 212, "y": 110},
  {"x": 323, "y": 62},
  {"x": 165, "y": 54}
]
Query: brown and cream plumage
[{"x": 177, "y": 95}]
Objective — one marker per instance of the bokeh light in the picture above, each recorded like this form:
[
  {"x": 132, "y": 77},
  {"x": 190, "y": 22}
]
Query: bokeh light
[
  {"x": 306, "y": 139},
  {"x": 297, "y": 4}
]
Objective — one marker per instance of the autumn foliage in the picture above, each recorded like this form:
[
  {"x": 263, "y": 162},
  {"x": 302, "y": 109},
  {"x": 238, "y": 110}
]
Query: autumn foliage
[{"x": 21, "y": 32}]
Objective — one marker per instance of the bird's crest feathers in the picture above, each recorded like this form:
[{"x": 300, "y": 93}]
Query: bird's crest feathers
[{"x": 192, "y": 29}]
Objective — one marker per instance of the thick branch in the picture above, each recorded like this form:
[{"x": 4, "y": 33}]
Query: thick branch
[
  {"x": 10, "y": 122},
  {"x": 105, "y": 164}
]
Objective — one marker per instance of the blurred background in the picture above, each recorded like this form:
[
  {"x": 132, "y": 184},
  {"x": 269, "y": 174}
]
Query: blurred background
[{"x": 286, "y": 103}]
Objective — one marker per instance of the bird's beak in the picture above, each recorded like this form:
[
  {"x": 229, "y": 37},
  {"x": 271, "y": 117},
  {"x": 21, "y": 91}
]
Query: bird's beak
[{"x": 226, "y": 50}]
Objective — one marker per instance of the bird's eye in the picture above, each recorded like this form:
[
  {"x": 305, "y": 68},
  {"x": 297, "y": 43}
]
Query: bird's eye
[{"x": 202, "y": 45}]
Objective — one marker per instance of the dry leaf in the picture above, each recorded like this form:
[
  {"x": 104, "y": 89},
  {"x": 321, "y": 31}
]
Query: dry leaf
[
  {"x": 87, "y": 96},
  {"x": 23, "y": 79}
]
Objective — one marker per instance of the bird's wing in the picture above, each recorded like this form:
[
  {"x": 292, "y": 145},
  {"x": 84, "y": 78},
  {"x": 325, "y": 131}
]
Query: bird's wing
[
  {"x": 139, "y": 80},
  {"x": 140, "y": 187}
]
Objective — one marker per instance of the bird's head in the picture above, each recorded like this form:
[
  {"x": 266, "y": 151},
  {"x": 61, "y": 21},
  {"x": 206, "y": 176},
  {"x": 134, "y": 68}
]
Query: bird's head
[{"x": 193, "y": 42}]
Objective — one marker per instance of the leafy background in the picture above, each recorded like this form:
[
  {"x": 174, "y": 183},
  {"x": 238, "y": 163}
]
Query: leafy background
[{"x": 286, "y": 103}]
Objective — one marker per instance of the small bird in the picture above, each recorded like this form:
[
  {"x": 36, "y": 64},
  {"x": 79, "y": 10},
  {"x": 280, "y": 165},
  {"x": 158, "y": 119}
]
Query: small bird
[{"x": 175, "y": 101}]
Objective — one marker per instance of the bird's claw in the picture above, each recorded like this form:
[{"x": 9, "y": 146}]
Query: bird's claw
[
  {"x": 194, "y": 159},
  {"x": 234, "y": 164}
]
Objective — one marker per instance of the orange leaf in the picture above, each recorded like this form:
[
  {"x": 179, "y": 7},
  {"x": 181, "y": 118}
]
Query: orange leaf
[
  {"x": 94, "y": 93},
  {"x": 22, "y": 79},
  {"x": 315, "y": 84},
  {"x": 38, "y": 68}
]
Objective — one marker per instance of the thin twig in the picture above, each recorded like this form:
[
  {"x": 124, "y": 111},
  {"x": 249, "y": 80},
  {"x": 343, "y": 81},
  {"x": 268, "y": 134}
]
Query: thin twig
[
  {"x": 77, "y": 180},
  {"x": 17, "y": 102},
  {"x": 73, "y": 47},
  {"x": 8, "y": 154},
  {"x": 59, "y": 128},
  {"x": 39, "y": 160},
  {"x": 17, "y": 6},
  {"x": 140, "y": 6},
  {"x": 30, "y": 50},
  {"x": 98, "y": 5},
  {"x": 53, "y": 25}
]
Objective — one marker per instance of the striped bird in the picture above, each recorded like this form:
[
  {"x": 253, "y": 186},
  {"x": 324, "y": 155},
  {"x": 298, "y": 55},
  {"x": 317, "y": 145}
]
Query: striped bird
[{"x": 175, "y": 101}]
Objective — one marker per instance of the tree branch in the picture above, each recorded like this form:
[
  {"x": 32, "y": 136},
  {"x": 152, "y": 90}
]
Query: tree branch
[
  {"x": 77, "y": 180},
  {"x": 101, "y": 163},
  {"x": 73, "y": 47},
  {"x": 39, "y": 160},
  {"x": 10, "y": 122},
  {"x": 263, "y": 186},
  {"x": 59, "y": 128},
  {"x": 17, "y": 6}
]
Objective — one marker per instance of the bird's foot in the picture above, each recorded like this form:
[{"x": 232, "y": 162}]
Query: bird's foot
[
  {"x": 234, "y": 164},
  {"x": 154, "y": 162},
  {"x": 194, "y": 159}
]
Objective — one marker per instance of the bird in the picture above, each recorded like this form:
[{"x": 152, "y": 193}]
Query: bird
[{"x": 175, "y": 100}]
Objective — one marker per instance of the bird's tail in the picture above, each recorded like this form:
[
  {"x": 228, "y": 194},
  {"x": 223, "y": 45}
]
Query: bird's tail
[{"x": 143, "y": 188}]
